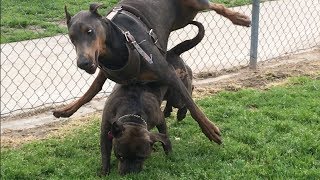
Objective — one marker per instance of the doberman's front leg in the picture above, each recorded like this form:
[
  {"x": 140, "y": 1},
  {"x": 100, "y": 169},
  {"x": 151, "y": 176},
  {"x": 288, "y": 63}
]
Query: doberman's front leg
[{"x": 95, "y": 87}]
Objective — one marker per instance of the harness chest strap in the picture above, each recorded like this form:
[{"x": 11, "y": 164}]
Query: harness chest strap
[{"x": 130, "y": 39}]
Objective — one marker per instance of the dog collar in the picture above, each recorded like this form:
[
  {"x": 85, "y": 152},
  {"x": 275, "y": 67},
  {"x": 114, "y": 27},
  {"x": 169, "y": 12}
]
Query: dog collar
[{"x": 133, "y": 118}]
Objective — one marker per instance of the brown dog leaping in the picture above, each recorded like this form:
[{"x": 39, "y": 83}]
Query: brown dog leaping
[{"x": 129, "y": 46}]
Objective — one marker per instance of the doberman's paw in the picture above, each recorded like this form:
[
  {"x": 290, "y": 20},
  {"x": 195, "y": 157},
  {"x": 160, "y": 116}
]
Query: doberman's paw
[
  {"x": 241, "y": 19},
  {"x": 211, "y": 131},
  {"x": 62, "y": 113}
]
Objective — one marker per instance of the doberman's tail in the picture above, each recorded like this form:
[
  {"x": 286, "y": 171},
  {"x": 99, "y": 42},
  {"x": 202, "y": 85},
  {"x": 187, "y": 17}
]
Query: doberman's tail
[{"x": 189, "y": 44}]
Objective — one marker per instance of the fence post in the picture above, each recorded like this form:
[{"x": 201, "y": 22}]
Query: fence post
[{"x": 254, "y": 34}]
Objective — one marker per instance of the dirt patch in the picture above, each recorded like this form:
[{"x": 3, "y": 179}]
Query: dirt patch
[
  {"x": 268, "y": 74},
  {"x": 60, "y": 129},
  {"x": 265, "y": 76}
]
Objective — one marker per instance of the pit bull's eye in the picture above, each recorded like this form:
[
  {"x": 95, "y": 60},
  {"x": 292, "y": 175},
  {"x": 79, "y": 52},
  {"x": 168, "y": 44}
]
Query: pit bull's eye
[
  {"x": 121, "y": 158},
  {"x": 139, "y": 158}
]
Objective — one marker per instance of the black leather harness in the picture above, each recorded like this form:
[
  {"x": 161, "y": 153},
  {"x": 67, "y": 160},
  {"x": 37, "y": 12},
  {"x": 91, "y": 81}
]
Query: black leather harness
[{"x": 129, "y": 72}]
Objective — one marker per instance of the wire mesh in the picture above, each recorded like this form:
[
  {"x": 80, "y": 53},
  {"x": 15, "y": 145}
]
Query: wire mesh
[{"x": 38, "y": 67}]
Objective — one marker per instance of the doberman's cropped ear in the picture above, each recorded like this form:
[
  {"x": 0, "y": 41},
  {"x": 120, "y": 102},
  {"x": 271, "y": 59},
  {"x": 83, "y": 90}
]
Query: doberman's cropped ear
[
  {"x": 68, "y": 16},
  {"x": 117, "y": 129},
  {"x": 94, "y": 8}
]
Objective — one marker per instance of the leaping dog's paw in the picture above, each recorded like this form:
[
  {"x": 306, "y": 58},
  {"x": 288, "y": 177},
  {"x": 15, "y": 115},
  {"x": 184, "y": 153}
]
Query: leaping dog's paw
[
  {"x": 241, "y": 19},
  {"x": 61, "y": 113},
  {"x": 212, "y": 132}
]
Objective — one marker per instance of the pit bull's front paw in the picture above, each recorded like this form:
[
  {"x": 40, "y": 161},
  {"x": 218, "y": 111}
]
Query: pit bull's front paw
[
  {"x": 181, "y": 114},
  {"x": 104, "y": 172},
  {"x": 167, "y": 147},
  {"x": 241, "y": 19}
]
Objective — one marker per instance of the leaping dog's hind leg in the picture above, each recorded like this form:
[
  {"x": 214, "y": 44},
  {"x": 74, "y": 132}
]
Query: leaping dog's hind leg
[
  {"x": 168, "y": 76},
  {"x": 235, "y": 17}
]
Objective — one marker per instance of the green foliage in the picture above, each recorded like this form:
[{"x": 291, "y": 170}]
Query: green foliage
[
  {"x": 270, "y": 134},
  {"x": 30, "y": 19}
]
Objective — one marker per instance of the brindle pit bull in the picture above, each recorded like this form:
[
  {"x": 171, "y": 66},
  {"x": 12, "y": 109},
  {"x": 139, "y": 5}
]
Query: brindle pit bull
[
  {"x": 129, "y": 113},
  {"x": 129, "y": 47},
  {"x": 183, "y": 71},
  {"x": 132, "y": 110}
]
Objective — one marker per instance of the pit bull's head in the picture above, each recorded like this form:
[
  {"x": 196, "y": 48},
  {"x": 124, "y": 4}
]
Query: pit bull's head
[{"x": 133, "y": 143}]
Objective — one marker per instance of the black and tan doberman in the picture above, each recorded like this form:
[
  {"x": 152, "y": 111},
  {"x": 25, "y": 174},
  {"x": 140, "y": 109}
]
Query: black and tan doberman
[{"x": 129, "y": 46}]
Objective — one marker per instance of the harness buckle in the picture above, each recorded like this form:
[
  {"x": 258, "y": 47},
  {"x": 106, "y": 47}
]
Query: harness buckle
[
  {"x": 117, "y": 8},
  {"x": 129, "y": 37},
  {"x": 153, "y": 36},
  {"x": 114, "y": 12}
]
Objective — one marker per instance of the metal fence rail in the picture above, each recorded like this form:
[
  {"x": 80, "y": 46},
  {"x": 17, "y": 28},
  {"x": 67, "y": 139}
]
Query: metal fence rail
[{"x": 43, "y": 73}]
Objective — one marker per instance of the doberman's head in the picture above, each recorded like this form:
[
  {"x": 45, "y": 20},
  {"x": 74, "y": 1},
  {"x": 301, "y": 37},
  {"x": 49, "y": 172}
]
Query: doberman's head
[
  {"x": 88, "y": 36},
  {"x": 133, "y": 145}
]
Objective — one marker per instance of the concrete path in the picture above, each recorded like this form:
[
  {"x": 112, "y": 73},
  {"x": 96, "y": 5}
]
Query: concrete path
[
  {"x": 96, "y": 105},
  {"x": 43, "y": 71}
]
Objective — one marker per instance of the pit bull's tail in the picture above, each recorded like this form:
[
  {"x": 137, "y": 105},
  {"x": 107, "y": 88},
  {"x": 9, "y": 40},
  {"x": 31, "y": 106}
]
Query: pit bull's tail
[{"x": 189, "y": 44}]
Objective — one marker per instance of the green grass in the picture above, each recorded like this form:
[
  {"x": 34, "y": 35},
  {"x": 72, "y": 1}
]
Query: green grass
[
  {"x": 270, "y": 134},
  {"x": 30, "y": 19}
]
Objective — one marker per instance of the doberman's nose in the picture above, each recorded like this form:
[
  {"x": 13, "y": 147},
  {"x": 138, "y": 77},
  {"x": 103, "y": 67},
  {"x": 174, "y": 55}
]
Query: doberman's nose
[{"x": 83, "y": 63}]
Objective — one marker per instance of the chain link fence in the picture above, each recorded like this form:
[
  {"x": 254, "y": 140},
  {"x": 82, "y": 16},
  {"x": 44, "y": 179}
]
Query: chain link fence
[{"x": 42, "y": 72}]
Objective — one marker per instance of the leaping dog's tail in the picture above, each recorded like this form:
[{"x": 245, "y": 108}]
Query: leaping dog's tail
[{"x": 191, "y": 43}]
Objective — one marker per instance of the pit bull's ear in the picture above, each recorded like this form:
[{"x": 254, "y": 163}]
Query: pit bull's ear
[
  {"x": 68, "y": 16},
  {"x": 94, "y": 8},
  {"x": 158, "y": 137},
  {"x": 117, "y": 129}
]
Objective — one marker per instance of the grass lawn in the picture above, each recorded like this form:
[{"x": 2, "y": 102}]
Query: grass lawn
[
  {"x": 30, "y": 19},
  {"x": 271, "y": 134}
]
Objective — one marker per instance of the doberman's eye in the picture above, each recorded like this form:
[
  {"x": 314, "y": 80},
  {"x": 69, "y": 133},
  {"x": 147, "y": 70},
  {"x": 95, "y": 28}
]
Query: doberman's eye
[{"x": 90, "y": 31}]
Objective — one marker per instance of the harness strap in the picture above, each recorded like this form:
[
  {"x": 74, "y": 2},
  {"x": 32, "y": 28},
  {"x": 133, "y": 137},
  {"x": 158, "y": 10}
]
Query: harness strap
[
  {"x": 137, "y": 15},
  {"x": 130, "y": 39}
]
